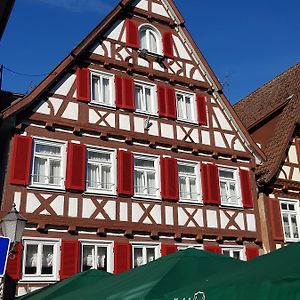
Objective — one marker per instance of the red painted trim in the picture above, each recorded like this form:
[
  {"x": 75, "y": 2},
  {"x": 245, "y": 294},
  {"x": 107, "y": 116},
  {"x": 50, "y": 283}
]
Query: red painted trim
[
  {"x": 276, "y": 220},
  {"x": 70, "y": 256},
  {"x": 122, "y": 257},
  {"x": 202, "y": 110},
  {"x": 213, "y": 248},
  {"x": 246, "y": 188},
  {"x": 13, "y": 265},
  {"x": 168, "y": 249},
  {"x": 132, "y": 34},
  {"x": 168, "y": 44},
  {"x": 125, "y": 173},
  {"x": 251, "y": 252},
  {"x": 169, "y": 179},
  {"x": 83, "y": 85}
]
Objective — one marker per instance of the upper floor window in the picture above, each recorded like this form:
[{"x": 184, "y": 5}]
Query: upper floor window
[
  {"x": 96, "y": 256},
  {"x": 188, "y": 181},
  {"x": 143, "y": 254},
  {"x": 186, "y": 106},
  {"x": 40, "y": 260},
  {"x": 47, "y": 164},
  {"x": 234, "y": 252},
  {"x": 290, "y": 219},
  {"x": 230, "y": 194},
  {"x": 101, "y": 170},
  {"x": 102, "y": 88},
  {"x": 144, "y": 97},
  {"x": 149, "y": 39},
  {"x": 146, "y": 176}
]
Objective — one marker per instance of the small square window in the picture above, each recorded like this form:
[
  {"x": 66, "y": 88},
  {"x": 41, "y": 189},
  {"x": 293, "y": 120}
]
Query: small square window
[
  {"x": 145, "y": 98},
  {"x": 234, "y": 252},
  {"x": 102, "y": 88},
  {"x": 186, "y": 106},
  {"x": 143, "y": 254}
]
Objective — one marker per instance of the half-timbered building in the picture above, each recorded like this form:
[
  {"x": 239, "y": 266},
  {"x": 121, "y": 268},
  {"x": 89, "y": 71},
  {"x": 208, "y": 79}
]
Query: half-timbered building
[
  {"x": 126, "y": 151},
  {"x": 271, "y": 115}
]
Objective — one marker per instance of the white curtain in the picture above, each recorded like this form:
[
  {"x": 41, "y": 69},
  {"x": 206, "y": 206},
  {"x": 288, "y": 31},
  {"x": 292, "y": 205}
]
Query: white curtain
[
  {"x": 138, "y": 97},
  {"x": 139, "y": 182},
  {"x": 151, "y": 183},
  {"x": 105, "y": 177},
  {"x": 180, "y": 107},
  {"x": 286, "y": 226},
  {"x": 39, "y": 170},
  {"x": 148, "y": 99},
  {"x": 193, "y": 189},
  {"x": 143, "y": 39},
  {"x": 106, "y": 90},
  {"x": 150, "y": 254},
  {"x": 294, "y": 227},
  {"x": 95, "y": 88},
  {"x": 182, "y": 187},
  {"x": 54, "y": 172},
  {"x": 233, "y": 195},
  {"x": 31, "y": 259},
  {"x": 138, "y": 257},
  {"x": 152, "y": 42},
  {"x": 93, "y": 177},
  {"x": 188, "y": 106},
  {"x": 223, "y": 192}
]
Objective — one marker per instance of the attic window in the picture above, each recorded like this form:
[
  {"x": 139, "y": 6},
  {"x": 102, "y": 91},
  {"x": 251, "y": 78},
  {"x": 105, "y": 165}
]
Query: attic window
[{"x": 149, "y": 39}]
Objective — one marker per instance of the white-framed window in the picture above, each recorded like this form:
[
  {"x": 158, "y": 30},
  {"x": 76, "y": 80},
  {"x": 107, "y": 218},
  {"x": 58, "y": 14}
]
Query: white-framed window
[
  {"x": 181, "y": 247},
  {"x": 96, "y": 255},
  {"x": 144, "y": 253},
  {"x": 290, "y": 219},
  {"x": 101, "y": 171},
  {"x": 102, "y": 88},
  {"x": 229, "y": 186},
  {"x": 145, "y": 97},
  {"x": 189, "y": 181},
  {"x": 40, "y": 259},
  {"x": 146, "y": 176},
  {"x": 234, "y": 252},
  {"x": 186, "y": 106},
  {"x": 150, "y": 39},
  {"x": 48, "y": 168}
]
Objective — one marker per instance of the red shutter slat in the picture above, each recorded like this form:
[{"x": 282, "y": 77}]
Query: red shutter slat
[
  {"x": 169, "y": 179},
  {"x": 251, "y": 252},
  {"x": 298, "y": 150},
  {"x": 162, "y": 104},
  {"x": 201, "y": 108},
  {"x": 213, "y": 248},
  {"x": 168, "y": 249},
  {"x": 204, "y": 182},
  {"x": 125, "y": 173},
  {"x": 171, "y": 102},
  {"x": 212, "y": 185},
  {"x": 83, "y": 84},
  {"x": 132, "y": 34},
  {"x": 122, "y": 257},
  {"x": 276, "y": 220},
  {"x": 69, "y": 261},
  {"x": 246, "y": 188},
  {"x": 76, "y": 164},
  {"x": 118, "y": 91},
  {"x": 20, "y": 160},
  {"x": 13, "y": 265},
  {"x": 168, "y": 44},
  {"x": 128, "y": 93}
]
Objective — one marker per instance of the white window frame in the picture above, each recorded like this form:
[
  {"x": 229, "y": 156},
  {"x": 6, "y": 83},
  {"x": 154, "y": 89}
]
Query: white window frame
[
  {"x": 157, "y": 35},
  {"x": 185, "y": 118},
  {"x": 62, "y": 166},
  {"x": 231, "y": 249},
  {"x": 113, "y": 190},
  {"x": 144, "y": 246},
  {"x": 152, "y": 87},
  {"x": 237, "y": 184},
  {"x": 110, "y": 256},
  {"x": 196, "y": 166},
  {"x": 111, "y": 88},
  {"x": 181, "y": 247},
  {"x": 56, "y": 243},
  {"x": 290, "y": 213},
  {"x": 157, "y": 175}
]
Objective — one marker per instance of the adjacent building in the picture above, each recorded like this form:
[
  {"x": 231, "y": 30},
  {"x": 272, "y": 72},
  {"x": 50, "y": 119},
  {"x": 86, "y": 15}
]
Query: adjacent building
[{"x": 127, "y": 151}]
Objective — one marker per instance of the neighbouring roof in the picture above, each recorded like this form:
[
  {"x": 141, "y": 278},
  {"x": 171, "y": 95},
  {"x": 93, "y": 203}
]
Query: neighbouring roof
[
  {"x": 6, "y": 7},
  {"x": 8, "y": 98},
  {"x": 282, "y": 92}
]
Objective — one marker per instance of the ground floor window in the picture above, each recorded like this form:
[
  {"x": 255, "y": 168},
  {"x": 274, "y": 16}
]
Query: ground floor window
[
  {"x": 234, "y": 252},
  {"x": 143, "y": 254},
  {"x": 187, "y": 246}
]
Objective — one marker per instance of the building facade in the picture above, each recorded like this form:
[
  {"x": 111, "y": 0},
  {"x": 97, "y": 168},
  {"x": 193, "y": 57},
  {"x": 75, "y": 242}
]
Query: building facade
[
  {"x": 271, "y": 115},
  {"x": 128, "y": 151}
]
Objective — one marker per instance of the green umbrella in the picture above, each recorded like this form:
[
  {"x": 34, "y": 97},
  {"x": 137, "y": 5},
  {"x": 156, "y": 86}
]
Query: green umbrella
[
  {"x": 269, "y": 277},
  {"x": 71, "y": 287},
  {"x": 161, "y": 276}
]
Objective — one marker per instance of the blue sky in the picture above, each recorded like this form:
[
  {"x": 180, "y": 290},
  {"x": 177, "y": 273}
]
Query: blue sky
[{"x": 246, "y": 42}]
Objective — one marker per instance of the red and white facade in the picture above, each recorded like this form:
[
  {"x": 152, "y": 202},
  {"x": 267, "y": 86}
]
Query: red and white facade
[{"x": 129, "y": 151}]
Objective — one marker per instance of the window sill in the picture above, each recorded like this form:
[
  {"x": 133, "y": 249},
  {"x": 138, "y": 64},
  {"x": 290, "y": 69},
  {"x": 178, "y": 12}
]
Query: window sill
[
  {"x": 190, "y": 122},
  {"x": 154, "y": 199},
  {"x": 100, "y": 193},
  {"x": 38, "y": 279},
  {"x": 291, "y": 240},
  {"x": 196, "y": 203},
  {"x": 46, "y": 188},
  {"x": 147, "y": 114},
  {"x": 232, "y": 206},
  {"x": 98, "y": 104}
]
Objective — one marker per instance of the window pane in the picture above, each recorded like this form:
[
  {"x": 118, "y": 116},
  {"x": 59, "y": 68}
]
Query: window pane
[
  {"x": 291, "y": 207},
  {"x": 99, "y": 156},
  {"x": 31, "y": 259},
  {"x": 226, "y": 252},
  {"x": 294, "y": 227},
  {"x": 148, "y": 100},
  {"x": 150, "y": 254},
  {"x": 47, "y": 149},
  {"x": 143, "y": 163},
  {"x": 88, "y": 257},
  {"x": 188, "y": 105},
  {"x": 223, "y": 191},
  {"x": 105, "y": 177},
  {"x": 236, "y": 254},
  {"x": 102, "y": 258},
  {"x": 182, "y": 187},
  {"x": 233, "y": 196},
  {"x": 226, "y": 174},
  {"x": 138, "y": 257},
  {"x": 186, "y": 169},
  {"x": 152, "y": 42},
  {"x": 93, "y": 176},
  {"x": 139, "y": 182},
  {"x": 286, "y": 226},
  {"x": 143, "y": 42},
  {"x": 39, "y": 173},
  {"x": 193, "y": 189},
  {"x": 151, "y": 184},
  {"x": 47, "y": 259},
  {"x": 180, "y": 108},
  {"x": 95, "y": 88},
  {"x": 138, "y": 97},
  {"x": 106, "y": 90},
  {"x": 284, "y": 206},
  {"x": 54, "y": 172}
]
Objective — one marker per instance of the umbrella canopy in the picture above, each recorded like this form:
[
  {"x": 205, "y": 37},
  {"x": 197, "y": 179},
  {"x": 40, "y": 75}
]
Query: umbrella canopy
[
  {"x": 161, "y": 276},
  {"x": 69, "y": 288},
  {"x": 269, "y": 277}
]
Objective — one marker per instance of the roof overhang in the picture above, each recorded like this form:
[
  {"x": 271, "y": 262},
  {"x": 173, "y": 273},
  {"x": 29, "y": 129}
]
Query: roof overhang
[{"x": 6, "y": 7}]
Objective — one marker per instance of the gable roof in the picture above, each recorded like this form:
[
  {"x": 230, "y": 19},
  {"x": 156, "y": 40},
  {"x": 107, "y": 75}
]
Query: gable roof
[
  {"x": 282, "y": 92},
  {"x": 62, "y": 67}
]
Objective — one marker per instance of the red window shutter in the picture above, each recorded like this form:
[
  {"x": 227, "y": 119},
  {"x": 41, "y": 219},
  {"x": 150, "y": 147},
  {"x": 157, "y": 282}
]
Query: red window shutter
[
  {"x": 213, "y": 248},
  {"x": 132, "y": 34},
  {"x": 162, "y": 103},
  {"x": 246, "y": 188},
  {"x": 20, "y": 160},
  {"x": 119, "y": 91},
  {"x": 251, "y": 252},
  {"x": 168, "y": 44},
  {"x": 76, "y": 165},
  {"x": 201, "y": 108},
  {"x": 128, "y": 93},
  {"x": 13, "y": 265},
  {"x": 122, "y": 257},
  {"x": 125, "y": 173},
  {"x": 69, "y": 261},
  {"x": 211, "y": 185},
  {"x": 83, "y": 84},
  {"x": 169, "y": 179},
  {"x": 298, "y": 150},
  {"x": 276, "y": 220},
  {"x": 171, "y": 102},
  {"x": 168, "y": 249},
  {"x": 204, "y": 182}
]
